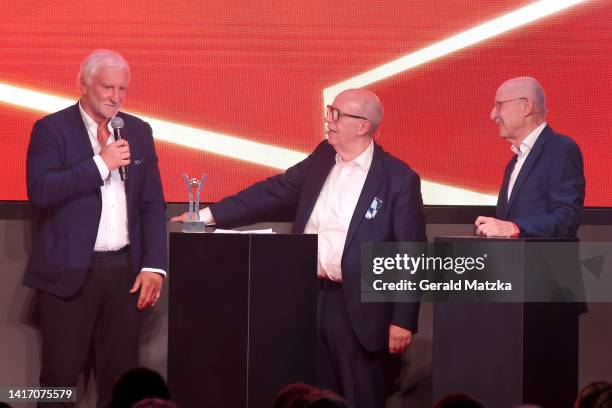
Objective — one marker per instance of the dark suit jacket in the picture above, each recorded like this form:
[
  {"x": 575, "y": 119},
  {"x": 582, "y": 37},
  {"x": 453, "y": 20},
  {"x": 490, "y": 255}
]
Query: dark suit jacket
[
  {"x": 548, "y": 194},
  {"x": 64, "y": 190},
  {"x": 400, "y": 218}
]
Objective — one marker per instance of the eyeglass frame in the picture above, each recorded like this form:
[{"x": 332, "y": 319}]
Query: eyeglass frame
[
  {"x": 332, "y": 109},
  {"x": 497, "y": 105}
]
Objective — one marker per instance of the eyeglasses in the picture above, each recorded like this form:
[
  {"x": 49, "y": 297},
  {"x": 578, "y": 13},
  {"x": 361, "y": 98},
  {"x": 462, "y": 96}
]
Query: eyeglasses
[
  {"x": 337, "y": 114},
  {"x": 498, "y": 104}
]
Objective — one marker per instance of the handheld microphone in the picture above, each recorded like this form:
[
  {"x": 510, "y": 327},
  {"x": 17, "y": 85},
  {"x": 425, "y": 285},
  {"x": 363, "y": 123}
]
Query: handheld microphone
[{"x": 117, "y": 125}]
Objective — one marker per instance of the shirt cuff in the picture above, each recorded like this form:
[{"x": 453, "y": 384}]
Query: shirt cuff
[
  {"x": 206, "y": 216},
  {"x": 102, "y": 168},
  {"x": 160, "y": 271}
]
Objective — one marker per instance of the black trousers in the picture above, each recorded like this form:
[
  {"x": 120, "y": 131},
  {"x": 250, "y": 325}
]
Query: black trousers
[
  {"x": 101, "y": 319},
  {"x": 363, "y": 377}
]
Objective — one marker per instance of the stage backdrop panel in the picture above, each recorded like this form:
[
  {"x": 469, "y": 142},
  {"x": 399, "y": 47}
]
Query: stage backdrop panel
[{"x": 237, "y": 89}]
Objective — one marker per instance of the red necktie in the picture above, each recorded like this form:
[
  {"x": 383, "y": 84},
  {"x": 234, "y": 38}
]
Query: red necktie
[{"x": 103, "y": 134}]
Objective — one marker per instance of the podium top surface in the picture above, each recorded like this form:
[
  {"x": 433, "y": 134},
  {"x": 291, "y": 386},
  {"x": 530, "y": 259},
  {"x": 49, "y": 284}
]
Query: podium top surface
[
  {"x": 210, "y": 232},
  {"x": 471, "y": 238}
]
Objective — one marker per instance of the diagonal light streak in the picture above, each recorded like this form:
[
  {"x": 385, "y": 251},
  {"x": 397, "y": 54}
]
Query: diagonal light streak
[
  {"x": 224, "y": 145},
  {"x": 475, "y": 35},
  {"x": 32, "y": 100},
  {"x": 442, "y": 194}
]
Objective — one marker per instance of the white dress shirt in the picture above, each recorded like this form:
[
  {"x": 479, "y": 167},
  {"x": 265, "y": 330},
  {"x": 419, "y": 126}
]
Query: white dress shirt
[
  {"x": 522, "y": 152},
  {"x": 332, "y": 213},
  {"x": 113, "y": 229}
]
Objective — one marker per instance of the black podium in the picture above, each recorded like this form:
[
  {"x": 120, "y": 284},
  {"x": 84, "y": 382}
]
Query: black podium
[
  {"x": 510, "y": 353},
  {"x": 242, "y": 317}
]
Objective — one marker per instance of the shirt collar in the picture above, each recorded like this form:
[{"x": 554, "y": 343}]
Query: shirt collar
[
  {"x": 527, "y": 143},
  {"x": 88, "y": 120},
  {"x": 363, "y": 161}
]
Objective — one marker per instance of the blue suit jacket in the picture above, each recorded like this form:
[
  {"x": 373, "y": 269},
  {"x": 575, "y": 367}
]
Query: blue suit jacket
[
  {"x": 548, "y": 194},
  {"x": 64, "y": 190},
  {"x": 400, "y": 218}
]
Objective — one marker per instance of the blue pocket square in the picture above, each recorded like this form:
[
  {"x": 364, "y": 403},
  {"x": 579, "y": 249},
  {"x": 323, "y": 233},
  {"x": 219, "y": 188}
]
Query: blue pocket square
[{"x": 374, "y": 207}]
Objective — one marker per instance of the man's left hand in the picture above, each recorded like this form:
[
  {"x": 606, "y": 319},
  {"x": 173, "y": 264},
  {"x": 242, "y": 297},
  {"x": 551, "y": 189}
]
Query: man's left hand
[
  {"x": 399, "y": 339},
  {"x": 150, "y": 284},
  {"x": 492, "y": 227}
]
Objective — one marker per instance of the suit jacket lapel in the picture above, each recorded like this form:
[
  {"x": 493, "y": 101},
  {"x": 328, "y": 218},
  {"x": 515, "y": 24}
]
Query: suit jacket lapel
[
  {"x": 312, "y": 187},
  {"x": 368, "y": 192},
  {"x": 531, "y": 160},
  {"x": 81, "y": 140},
  {"x": 502, "y": 199}
]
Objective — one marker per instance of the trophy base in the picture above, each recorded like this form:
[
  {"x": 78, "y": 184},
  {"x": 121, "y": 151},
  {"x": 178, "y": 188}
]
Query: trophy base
[{"x": 193, "y": 226}]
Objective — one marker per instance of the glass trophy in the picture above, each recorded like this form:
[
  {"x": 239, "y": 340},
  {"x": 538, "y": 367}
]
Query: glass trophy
[{"x": 194, "y": 186}]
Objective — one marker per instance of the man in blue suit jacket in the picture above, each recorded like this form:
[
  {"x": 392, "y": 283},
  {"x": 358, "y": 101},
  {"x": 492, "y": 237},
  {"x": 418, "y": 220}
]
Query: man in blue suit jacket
[
  {"x": 348, "y": 191},
  {"x": 541, "y": 196},
  {"x": 100, "y": 239},
  {"x": 543, "y": 190}
]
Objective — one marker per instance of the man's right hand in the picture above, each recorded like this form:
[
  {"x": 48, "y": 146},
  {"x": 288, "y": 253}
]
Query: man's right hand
[
  {"x": 205, "y": 213},
  {"x": 180, "y": 218},
  {"x": 116, "y": 154},
  {"x": 492, "y": 227}
]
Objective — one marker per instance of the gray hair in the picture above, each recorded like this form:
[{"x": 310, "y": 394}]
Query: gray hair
[{"x": 95, "y": 60}]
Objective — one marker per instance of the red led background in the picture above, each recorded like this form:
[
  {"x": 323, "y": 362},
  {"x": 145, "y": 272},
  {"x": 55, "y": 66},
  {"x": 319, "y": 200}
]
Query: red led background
[{"x": 257, "y": 70}]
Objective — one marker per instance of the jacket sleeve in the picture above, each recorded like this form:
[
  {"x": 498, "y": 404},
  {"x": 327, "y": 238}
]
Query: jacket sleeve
[
  {"x": 409, "y": 226},
  {"x": 263, "y": 198},
  {"x": 152, "y": 210}
]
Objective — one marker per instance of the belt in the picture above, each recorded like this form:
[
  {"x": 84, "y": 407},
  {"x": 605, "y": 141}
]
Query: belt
[
  {"x": 324, "y": 283},
  {"x": 110, "y": 254}
]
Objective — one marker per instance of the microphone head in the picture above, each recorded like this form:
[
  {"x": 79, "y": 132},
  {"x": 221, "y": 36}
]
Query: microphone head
[{"x": 116, "y": 122}]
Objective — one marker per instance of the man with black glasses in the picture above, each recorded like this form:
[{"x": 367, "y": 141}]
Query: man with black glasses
[{"x": 348, "y": 191}]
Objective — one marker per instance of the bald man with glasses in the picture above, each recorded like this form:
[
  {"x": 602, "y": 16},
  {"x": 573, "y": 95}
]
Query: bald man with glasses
[
  {"x": 348, "y": 191},
  {"x": 543, "y": 189},
  {"x": 542, "y": 196}
]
